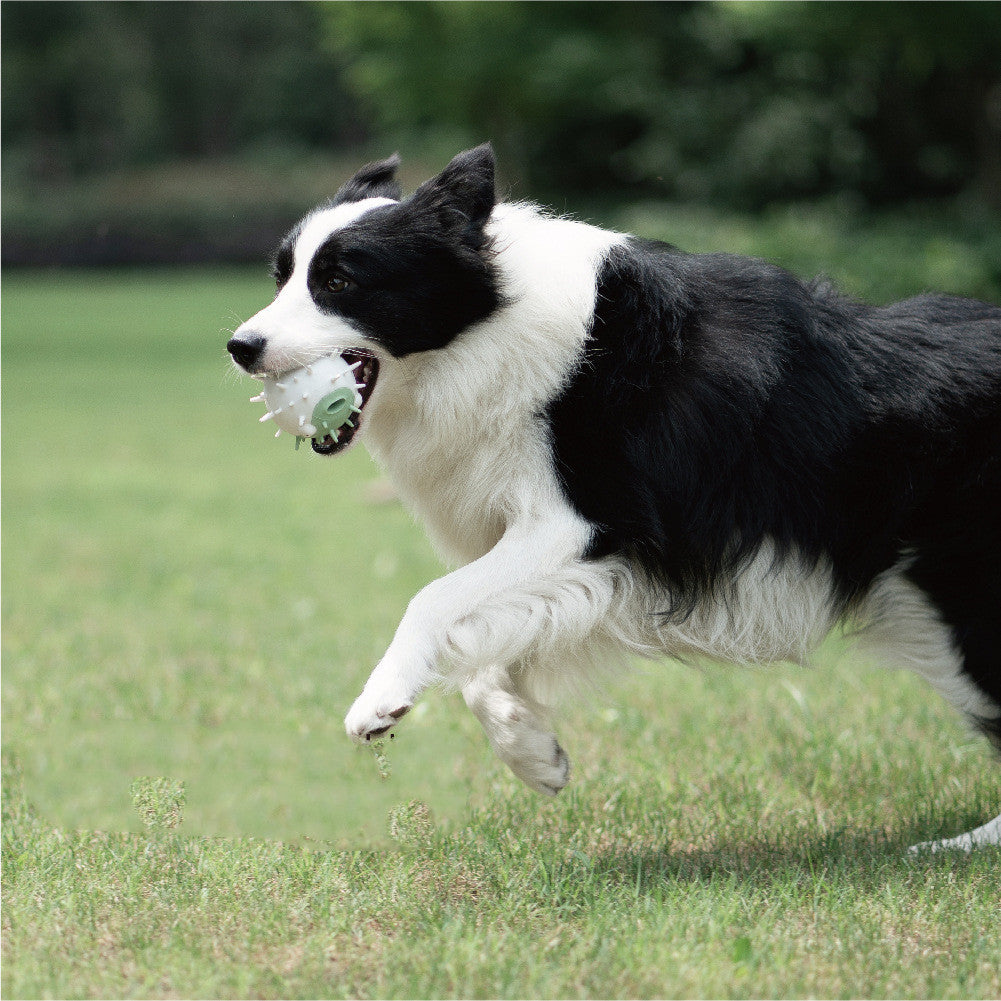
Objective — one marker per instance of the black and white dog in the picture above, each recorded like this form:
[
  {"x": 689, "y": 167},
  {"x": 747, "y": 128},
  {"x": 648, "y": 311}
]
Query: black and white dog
[{"x": 628, "y": 449}]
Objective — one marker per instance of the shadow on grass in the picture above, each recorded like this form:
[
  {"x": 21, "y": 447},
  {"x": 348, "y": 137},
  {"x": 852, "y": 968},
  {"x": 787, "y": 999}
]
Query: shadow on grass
[{"x": 864, "y": 859}]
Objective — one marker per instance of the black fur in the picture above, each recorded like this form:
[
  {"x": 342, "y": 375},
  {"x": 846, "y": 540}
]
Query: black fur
[
  {"x": 284, "y": 260},
  {"x": 723, "y": 402},
  {"x": 412, "y": 275},
  {"x": 377, "y": 180}
]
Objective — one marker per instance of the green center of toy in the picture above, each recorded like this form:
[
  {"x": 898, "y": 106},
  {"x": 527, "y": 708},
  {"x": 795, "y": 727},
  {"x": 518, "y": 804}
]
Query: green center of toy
[{"x": 333, "y": 411}]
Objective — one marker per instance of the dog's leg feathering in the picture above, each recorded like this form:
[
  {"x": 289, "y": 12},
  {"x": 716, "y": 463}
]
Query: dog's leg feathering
[{"x": 490, "y": 611}]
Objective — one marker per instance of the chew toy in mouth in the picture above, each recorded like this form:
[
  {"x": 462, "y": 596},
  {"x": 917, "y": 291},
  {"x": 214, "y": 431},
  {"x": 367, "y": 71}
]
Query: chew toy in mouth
[{"x": 322, "y": 401}]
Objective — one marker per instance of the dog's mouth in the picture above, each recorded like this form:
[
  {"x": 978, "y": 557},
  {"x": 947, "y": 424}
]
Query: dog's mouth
[{"x": 366, "y": 375}]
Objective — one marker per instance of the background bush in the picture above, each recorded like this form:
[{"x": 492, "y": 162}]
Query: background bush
[
  {"x": 138, "y": 132},
  {"x": 742, "y": 103}
]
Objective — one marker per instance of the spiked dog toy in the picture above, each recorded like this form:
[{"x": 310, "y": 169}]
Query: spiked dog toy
[{"x": 312, "y": 402}]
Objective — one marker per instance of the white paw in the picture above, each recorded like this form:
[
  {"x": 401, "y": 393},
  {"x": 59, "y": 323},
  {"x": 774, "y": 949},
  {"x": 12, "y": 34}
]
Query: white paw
[
  {"x": 519, "y": 737},
  {"x": 541, "y": 764},
  {"x": 368, "y": 719}
]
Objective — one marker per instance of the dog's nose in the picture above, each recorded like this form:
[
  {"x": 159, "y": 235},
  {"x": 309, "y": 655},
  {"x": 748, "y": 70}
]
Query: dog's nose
[{"x": 246, "y": 349}]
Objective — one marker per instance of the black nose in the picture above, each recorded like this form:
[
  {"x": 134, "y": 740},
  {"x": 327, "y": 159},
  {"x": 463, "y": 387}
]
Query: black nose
[{"x": 246, "y": 349}]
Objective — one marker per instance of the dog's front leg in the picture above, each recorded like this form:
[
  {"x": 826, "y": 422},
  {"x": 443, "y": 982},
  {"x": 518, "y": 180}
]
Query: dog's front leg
[{"x": 484, "y": 613}]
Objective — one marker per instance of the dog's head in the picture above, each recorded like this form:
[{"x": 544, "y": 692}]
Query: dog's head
[{"x": 376, "y": 277}]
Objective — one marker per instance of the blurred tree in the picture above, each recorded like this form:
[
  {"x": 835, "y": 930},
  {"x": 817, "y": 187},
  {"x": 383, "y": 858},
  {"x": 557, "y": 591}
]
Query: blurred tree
[
  {"x": 92, "y": 86},
  {"x": 558, "y": 87},
  {"x": 739, "y": 102},
  {"x": 918, "y": 84}
]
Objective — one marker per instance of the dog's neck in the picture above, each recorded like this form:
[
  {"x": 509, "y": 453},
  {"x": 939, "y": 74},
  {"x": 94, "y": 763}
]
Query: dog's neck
[{"x": 458, "y": 429}]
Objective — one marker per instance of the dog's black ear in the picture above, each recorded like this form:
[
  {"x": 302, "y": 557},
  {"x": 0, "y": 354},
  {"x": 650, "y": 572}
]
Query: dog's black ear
[
  {"x": 376, "y": 180},
  {"x": 462, "y": 195}
]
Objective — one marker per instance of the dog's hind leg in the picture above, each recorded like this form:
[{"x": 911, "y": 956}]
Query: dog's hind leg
[
  {"x": 988, "y": 834},
  {"x": 516, "y": 727},
  {"x": 956, "y": 656}
]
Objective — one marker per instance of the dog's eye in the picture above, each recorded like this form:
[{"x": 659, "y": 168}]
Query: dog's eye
[{"x": 337, "y": 283}]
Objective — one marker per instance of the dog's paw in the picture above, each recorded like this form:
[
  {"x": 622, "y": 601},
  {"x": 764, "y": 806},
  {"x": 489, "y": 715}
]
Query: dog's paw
[
  {"x": 367, "y": 720},
  {"x": 519, "y": 736},
  {"x": 543, "y": 767}
]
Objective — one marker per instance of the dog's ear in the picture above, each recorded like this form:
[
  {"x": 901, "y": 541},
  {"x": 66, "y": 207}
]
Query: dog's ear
[
  {"x": 462, "y": 195},
  {"x": 376, "y": 180}
]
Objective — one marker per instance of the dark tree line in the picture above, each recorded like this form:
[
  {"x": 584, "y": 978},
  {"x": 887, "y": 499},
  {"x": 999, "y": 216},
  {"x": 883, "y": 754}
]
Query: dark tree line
[
  {"x": 743, "y": 104},
  {"x": 89, "y": 87}
]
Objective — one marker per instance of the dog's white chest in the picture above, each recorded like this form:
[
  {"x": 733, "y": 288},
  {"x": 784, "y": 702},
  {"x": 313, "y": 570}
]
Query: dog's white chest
[{"x": 450, "y": 485}]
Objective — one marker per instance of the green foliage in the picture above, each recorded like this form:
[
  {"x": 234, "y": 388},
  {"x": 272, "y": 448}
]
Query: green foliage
[
  {"x": 877, "y": 256},
  {"x": 91, "y": 87},
  {"x": 130, "y": 129},
  {"x": 738, "y": 102}
]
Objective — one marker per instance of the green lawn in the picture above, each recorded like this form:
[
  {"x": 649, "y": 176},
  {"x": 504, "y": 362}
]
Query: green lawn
[{"x": 184, "y": 596}]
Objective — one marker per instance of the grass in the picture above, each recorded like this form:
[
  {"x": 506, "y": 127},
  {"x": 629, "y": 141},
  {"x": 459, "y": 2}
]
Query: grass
[
  {"x": 171, "y": 571},
  {"x": 189, "y": 608}
]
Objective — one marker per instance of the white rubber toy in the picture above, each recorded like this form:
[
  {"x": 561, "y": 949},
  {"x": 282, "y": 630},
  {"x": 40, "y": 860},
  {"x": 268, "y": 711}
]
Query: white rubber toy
[{"x": 312, "y": 402}]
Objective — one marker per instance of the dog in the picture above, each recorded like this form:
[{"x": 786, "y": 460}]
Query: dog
[{"x": 627, "y": 450}]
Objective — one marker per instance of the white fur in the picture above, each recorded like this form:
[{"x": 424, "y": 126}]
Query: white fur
[
  {"x": 525, "y": 615},
  {"x": 297, "y": 333},
  {"x": 901, "y": 627},
  {"x": 987, "y": 834},
  {"x": 517, "y": 729},
  {"x": 458, "y": 431},
  {"x": 457, "y": 428}
]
